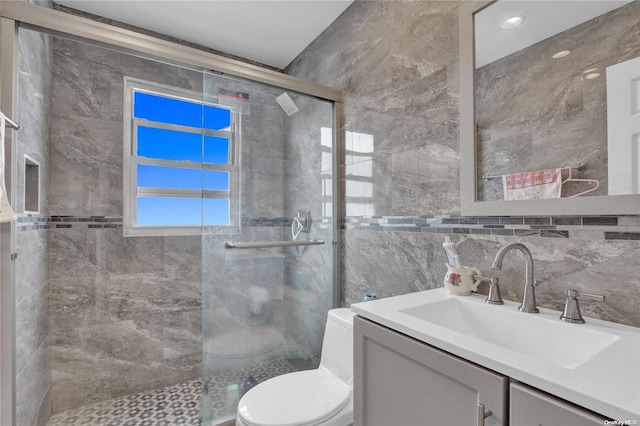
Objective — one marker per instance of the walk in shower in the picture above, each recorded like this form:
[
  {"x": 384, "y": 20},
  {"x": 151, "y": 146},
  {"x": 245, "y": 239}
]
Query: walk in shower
[
  {"x": 264, "y": 300},
  {"x": 175, "y": 260}
]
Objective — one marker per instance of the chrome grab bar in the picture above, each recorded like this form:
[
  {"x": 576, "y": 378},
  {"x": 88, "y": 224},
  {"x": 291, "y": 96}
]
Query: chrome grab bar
[{"x": 269, "y": 244}]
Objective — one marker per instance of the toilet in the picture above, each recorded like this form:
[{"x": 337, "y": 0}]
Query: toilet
[{"x": 307, "y": 398}]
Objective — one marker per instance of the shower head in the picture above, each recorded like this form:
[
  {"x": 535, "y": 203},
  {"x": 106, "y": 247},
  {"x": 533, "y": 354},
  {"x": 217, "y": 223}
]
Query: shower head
[{"x": 287, "y": 104}]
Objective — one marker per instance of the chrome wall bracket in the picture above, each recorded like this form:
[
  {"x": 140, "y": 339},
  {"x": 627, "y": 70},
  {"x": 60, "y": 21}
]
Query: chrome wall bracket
[
  {"x": 301, "y": 223},
  {"x": 304, "y": 218}
]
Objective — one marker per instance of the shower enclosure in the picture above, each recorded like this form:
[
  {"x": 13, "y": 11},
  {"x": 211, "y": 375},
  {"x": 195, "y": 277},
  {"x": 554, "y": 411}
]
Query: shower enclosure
[
  {"x": 115, "y": 289},
  {"x": 264, "y": 301}
]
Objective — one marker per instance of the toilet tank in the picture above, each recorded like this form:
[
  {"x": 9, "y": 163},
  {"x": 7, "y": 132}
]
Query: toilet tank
[{"x": 337, "y": 346}]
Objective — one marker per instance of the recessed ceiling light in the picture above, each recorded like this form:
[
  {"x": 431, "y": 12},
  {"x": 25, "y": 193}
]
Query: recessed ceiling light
[
  {"x": 592, "y": 76},
  {"x": 589, "y": 70},
  {"x": 561, "y": 54},
  {"x": 512, "y": 22}
]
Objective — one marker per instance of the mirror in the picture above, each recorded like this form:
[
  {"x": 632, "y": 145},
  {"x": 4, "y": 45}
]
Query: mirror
[{"x": 548, "y": 108}]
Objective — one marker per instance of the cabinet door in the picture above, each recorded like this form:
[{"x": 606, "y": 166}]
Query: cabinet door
[
  {"x": 530, "y": 407},
  {"x": 400, "y": 381}
]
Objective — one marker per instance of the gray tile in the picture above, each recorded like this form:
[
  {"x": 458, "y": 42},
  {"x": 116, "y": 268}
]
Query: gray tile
[
  {"x": 622, "y": 235},
  {"x": 511, "y": 220},
  {"x": 554, "y": 233},
  {"x": 566, "y": 220},
  {"x": 498, "y": 231},
  {"x": 600, "y": 221},
  {"x": 537, "y": 221}
]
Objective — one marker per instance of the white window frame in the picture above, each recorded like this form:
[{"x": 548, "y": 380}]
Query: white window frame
[{"x": 130, "y": 162}]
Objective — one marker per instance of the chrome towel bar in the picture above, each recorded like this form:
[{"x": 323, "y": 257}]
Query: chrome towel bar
[
  {"x": 12, "y": 124},
  {"x": 269, "y": 244}
]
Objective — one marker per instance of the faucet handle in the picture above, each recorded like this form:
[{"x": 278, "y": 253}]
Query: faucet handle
[
  {"x": 571, "y": 311},
  {"x": 591, "y": 296},
  {"x": 493, "y": 297}
]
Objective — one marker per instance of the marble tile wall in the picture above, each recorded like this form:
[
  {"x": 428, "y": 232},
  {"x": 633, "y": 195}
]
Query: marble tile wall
[
  {"x": 32, "y": 289},
  {"x": 559, "y": 119},
  {"x": 125, "y": 312},
  {"x": 397, "y": 63}
]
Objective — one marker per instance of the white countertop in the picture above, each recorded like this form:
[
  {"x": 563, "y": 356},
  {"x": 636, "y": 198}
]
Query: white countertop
[{"x": 608, "y": 383}]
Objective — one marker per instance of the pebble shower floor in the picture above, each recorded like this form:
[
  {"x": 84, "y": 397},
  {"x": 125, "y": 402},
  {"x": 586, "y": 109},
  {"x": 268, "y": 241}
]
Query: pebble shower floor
[{"x": 175, "y": 405}]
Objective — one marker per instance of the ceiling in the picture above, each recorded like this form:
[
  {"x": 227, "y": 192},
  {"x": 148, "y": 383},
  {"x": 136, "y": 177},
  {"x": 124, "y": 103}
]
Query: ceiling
[
  {"x": 271, "y": 32},
  {"x": 543, "y": 19}
]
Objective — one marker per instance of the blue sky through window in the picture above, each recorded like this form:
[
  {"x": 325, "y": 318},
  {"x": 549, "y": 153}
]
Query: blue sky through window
[
  {"x": 180, "y": 146},
  {"x": 167, "y": 110},
  {"x": 216, "y": 150},
  {"x": 169, "y": 211},
  {"x": 169, "y": 177},
  {"x": 216, "y": 211},
  {"x": 181, "y": 112},
  {"x": 182, "y": 211},
  {"x": 216, "y": 181},
  {"x": 169, "y": 144},
  {"x": 216, "y": 118},
  {"x": 173, "y": 145}
]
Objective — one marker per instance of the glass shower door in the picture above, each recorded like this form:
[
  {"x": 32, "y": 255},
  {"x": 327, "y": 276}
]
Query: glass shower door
[{"x": 265, "y": 300}]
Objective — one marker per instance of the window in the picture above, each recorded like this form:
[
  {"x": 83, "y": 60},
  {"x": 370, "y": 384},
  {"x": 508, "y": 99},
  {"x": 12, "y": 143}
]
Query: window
[
  {"x": 180, "y": 162},
  {"x": 359, "y": 148}
]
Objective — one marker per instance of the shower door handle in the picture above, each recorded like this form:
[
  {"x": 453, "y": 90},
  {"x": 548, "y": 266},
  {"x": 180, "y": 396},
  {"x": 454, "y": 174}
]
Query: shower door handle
[{"x": 234, "y": 147}]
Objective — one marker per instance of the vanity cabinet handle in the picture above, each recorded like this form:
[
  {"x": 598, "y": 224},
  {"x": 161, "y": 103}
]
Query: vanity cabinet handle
[{"x": 482, "y": 415}]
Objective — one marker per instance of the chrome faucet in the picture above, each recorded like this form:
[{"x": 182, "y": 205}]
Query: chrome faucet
[{"x": 529, "y": 298}]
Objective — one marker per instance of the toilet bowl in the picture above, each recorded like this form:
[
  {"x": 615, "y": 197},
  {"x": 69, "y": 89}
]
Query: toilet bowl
[{"x": 308, "y": 398}]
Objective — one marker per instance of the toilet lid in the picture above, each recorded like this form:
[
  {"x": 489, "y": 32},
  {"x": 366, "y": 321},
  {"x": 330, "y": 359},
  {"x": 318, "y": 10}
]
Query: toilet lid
[{"x": 295, "y": 399}]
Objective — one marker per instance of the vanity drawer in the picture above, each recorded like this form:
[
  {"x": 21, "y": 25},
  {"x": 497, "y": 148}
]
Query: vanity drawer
[
  {"x": 401, "y": 381},
  {"x": 530, "y": 407}
]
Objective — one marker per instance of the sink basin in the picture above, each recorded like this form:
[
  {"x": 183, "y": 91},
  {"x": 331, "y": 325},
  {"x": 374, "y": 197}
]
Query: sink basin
[{"x": 530, "y": 335}]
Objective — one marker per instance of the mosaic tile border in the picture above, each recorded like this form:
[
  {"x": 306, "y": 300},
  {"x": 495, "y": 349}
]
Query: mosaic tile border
[
  {"x": 28, "y": 222},
  {"x": 31, "y": 222},
  {"x": 572, "y": 227},
  {"x": 92, "y": 222}
]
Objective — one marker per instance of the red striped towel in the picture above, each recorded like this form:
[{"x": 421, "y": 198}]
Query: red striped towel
[{"x": 533, "y": 185}]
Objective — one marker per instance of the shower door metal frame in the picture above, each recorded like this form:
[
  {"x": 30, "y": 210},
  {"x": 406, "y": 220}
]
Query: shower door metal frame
[
  {"x": 64, "y": 24},
  {"x": 14, "y": 14},
  {"x": 8, "y": 103}
]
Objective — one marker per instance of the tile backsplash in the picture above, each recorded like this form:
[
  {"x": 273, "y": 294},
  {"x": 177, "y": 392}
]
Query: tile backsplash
[{"x": 574, "y": 227}]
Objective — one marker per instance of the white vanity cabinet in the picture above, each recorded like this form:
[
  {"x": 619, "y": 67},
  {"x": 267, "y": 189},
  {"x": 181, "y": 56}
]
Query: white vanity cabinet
[
  {"x": 400, "y": 381},
  {"x": 530, "y": 407}
]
